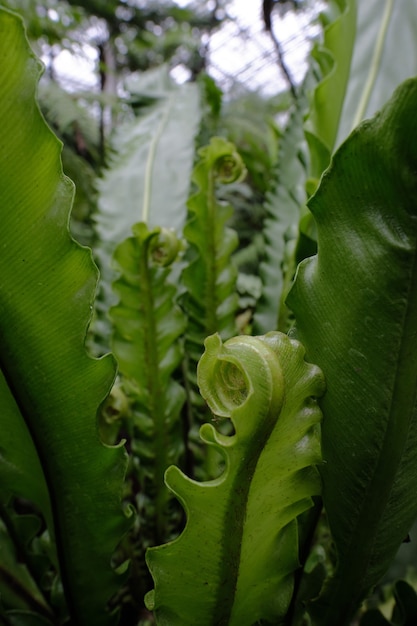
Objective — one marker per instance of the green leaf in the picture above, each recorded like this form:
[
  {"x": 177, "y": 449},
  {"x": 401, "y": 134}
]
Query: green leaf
[
  {"x": 385, "y": 54},
  {"x": 234, "y": 562},
  {"x": 333, "y": 57},
  {"x": 26, "y": 618},
  {"x": 210, "y": 299},
  {"x": 355, "y": 305},
  {"x": 148, "y": 176},
  {"x": 210, "y": 276},
  {"x": 47, "y": 285},
  {"x": 147, "y": 325}
]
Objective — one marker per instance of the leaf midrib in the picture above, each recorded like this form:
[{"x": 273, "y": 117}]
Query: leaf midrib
[{"x": 376, "y": 499}]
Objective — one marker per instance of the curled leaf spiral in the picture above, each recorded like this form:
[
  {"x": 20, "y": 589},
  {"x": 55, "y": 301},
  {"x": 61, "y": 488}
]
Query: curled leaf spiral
[
  {"x": 222, "y": 158},
  {"x": 164, "y": 247},
  {"x": 244, "y": 373},
  {"x": 162, "y": 244}
]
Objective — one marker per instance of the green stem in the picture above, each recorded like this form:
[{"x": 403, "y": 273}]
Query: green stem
[
  {"x": 211, "y": 292},
  {"x": 187, "y": 418},
  {"x": 156, "y": 400},
  {"x": 375, "y": 64}
]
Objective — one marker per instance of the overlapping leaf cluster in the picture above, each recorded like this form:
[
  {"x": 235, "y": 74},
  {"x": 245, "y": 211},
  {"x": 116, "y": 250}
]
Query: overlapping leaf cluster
[
  {"x": 305, "y": 149},
  {"x": 249, "y": 523},
  {"x": 158, "y": 310}
]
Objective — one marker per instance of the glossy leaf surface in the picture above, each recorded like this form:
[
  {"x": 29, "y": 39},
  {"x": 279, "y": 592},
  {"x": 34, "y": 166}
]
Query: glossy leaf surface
[
  {"x": 356, "y": 313},
  {"x": 234, "y": 562},
  {"x": 50, "y": 388}
]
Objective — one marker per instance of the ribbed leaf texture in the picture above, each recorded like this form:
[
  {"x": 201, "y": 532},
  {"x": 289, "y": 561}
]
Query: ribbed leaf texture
[
  {"x": 234, "y": 562},
  {"x": 146, "y": 327},
  {"x": 356, "y": 313},
  {"x": 50, "y": 389}
]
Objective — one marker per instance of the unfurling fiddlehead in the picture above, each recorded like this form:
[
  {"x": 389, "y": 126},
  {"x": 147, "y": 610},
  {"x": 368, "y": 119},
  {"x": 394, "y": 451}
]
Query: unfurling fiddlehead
[
  {"x": 164, "y": 246},
  {"x": 235, "y": 560},
  {"x": 210, "y": 301},
  {"x": 147, "y": 325},
  {"x": 210, "y": 277}
]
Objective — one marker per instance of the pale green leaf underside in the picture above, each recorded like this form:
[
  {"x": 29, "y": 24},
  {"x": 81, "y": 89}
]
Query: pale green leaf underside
[
  {"x": 356, "y": 313},
  {"x": 397, "y": 61},
  {"x": 234, "y": 562},
  {"x": 148, "y": 175},
  {"x": 47, "y": 284},
  {"x": 147, "y": 178}
]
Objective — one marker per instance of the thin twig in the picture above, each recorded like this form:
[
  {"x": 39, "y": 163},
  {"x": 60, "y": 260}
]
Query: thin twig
[{"x": 267, "y": 10}]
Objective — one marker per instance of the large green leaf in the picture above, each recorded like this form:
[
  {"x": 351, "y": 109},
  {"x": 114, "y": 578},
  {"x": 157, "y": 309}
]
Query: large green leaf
[
  {"x": 385, "y": 53},
  {"x": 234, "y": 562},
  {"x": 50, "y": 388},
  {"x": 356, "y": 313},
  {"x": 149, "y": 172}
]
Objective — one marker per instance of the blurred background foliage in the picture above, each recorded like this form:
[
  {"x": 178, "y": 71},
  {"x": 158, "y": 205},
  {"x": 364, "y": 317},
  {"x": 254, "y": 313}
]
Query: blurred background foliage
[{"x": 91, "y": 50}]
